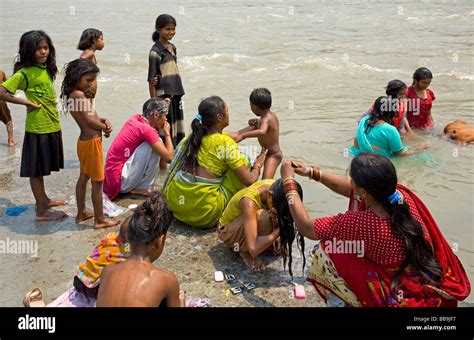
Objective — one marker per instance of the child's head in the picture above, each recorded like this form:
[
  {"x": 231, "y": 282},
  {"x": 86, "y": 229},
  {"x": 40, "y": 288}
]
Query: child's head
[
  {"x": 213, "y": 114},
  {"x": 260, "y": 101},
  {"x": 36, "y": 47},
  {"x": 91, "y": 37},
  {"x": 286, "y": 223},
  {"x": 148, "y": 226},
  {"x": 396, "y": 89},
  {"x": 155, "y": 111},
  {"x": 81, "y": 75},
  {"x": 422, "y": 78},
  {"x": 165, "y": 26}
]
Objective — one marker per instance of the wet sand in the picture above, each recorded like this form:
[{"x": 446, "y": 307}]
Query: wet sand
[{"x": 193, "y": 255}]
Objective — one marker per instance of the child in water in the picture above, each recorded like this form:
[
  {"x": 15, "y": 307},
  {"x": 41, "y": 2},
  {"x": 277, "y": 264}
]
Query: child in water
[
  {"x": 91, "y": 40},
  {"x": 266, "y": 129},
  {"x": 80, "y": 77}
]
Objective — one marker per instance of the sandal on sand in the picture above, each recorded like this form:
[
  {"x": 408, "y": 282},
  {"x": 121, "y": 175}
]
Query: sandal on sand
[{"x": 34, "y": 298}]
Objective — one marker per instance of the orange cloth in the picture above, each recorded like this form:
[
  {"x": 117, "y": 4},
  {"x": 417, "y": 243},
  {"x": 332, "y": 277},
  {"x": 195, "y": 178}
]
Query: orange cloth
[{"x": 91, "y": 158}]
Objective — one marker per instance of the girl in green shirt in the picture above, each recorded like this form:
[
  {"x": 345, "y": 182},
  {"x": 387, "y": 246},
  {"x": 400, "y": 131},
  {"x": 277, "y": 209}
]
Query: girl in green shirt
[{"x": 35, "y": 71}]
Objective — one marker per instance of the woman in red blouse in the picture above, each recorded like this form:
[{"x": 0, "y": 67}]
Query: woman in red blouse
[
  {"x": 386, "y": 250},
  {"x": 420, "y": 99}
]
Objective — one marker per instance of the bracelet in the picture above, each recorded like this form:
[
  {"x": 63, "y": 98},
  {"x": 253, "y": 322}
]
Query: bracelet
[
  {"x": 320, "y": 175},
  {"x": 310, "y": 172},
  {"x": 288, "y": 179},
  {"x": 290, "y": 187}
]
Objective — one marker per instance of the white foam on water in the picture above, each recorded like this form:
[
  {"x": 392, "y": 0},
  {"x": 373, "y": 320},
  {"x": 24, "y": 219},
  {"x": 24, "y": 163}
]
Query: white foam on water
[{"x": 457, "y": 75}]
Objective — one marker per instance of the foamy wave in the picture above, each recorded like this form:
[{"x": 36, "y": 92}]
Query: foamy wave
[
  {"x": 199, "y": 63},
  {"x": 457, "y": 75},
  {"x": 370, "y": 68}
]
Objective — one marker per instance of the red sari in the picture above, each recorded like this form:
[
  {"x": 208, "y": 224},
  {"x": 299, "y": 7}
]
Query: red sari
[{"x": 370, "y": 282}]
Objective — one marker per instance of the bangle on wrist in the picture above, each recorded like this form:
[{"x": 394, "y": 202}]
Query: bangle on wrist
[
  {"x": 291, "y": 186},
  {"x": 320, "y": 175},
  {"x": 289, "y": 179},
  {"x": 310, "y": 172}
]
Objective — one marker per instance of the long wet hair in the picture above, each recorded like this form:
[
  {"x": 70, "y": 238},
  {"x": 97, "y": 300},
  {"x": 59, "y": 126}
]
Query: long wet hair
[
  {"x": 288, "y": 231},
  {"x": 383, "y": 110},
  {"x": 421, "y": 73},
  {"x": 73, "y": 72},
  {"x": 377, "y": 175},
  {"x": 162, "y": 21},
  {"x": 88, "y": 38},
  {"x": 209, "y": 109},
  {"x": 29, "y": 42},
  {"x": 149, "y": 221}
]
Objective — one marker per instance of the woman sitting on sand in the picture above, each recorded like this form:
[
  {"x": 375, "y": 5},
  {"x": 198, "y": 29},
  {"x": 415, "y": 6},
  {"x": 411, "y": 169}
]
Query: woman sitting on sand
[
  {"x": 137, "y": 282},
  {"x": 404, "y": 260},
  {"x": 251, "y": 222},
  {"x": 208, "y": 168},
  {"x": 375, "y": 133}
]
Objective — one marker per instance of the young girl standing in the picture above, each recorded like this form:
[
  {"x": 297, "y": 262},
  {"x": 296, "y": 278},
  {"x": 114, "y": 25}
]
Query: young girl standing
[
  {"x": 163, "y": 75},
  {"x": 91, "y": 40},
  {"x": 35, "y": 71},
  {"x": 420, "y": 99}
]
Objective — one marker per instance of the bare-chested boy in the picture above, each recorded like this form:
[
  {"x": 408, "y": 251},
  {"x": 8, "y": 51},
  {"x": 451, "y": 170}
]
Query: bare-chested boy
[
  {"x": 137, "y": 282},
  {"x": 78, "y": 87},
  {"x": 266, "y": 129}
]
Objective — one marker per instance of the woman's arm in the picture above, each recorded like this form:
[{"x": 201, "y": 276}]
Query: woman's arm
[
  {"x": 255, "y": 244},
  {"x": 339, "y": 184},
  {"x": 249, "y": 177},
  {"x": 166, "y": 149},
  {"x": 304, "y": 223}
]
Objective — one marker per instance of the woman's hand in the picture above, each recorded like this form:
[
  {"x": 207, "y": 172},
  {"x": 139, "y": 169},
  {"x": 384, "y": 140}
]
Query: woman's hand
[
  {"x": 287, "y": 170},
  {"x": 260, "y": 159},
  {"x": 165, "y": 129},
  {"x": 31, "y": 107},
  {"x": 301, "y": 169}
]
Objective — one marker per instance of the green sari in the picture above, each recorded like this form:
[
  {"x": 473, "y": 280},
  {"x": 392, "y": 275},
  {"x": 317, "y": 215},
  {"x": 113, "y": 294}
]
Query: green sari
[{"x": 197, "y": 201}]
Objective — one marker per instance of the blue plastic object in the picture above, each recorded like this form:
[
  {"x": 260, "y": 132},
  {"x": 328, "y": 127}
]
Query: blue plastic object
[{"x": 15, "y": 211}]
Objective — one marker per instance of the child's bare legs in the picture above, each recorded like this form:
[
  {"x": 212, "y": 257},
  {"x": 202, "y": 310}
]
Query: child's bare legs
[
  {"x": 264, "y": 228},
  {"x": 272, "y": 161},
  {"x": 81, "y": 186},
  {"x": 100, "y": 220},
  {"x": 163, "y": 164},
  {"x": 51, "y": 202},
  {"x": 43, "y": 211},
  {"x": 11, "y": 142}
]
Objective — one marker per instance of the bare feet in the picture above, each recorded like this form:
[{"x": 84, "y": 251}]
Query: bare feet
[
  {"x": 12, "y": 143},
  {"x": 56, "y": 203},
  {"x": 142, "y": 192},
  {"x": 106, "y": 223},
  {"x": 51, "y": 215},
  {"x": 85, "y": 215},
  {"x": 254, "y": 264}
]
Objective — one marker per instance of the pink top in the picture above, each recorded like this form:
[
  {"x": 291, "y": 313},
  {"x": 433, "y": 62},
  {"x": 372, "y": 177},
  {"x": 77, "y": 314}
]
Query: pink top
[
  {"x": 420, "y": 120},
  {"x": 135, "y": 131},
  {"x": 381, "y": 244}
]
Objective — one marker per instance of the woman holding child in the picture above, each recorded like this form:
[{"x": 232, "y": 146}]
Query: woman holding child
[
  {"x": 406, "y": 261},
  {"x": 208, "y": 168}
]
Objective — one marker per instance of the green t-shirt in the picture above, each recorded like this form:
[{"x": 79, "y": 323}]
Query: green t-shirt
[{"x": 38, "y": 86}]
